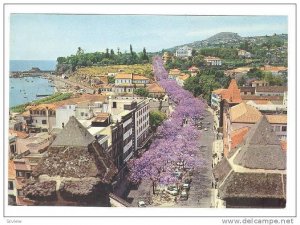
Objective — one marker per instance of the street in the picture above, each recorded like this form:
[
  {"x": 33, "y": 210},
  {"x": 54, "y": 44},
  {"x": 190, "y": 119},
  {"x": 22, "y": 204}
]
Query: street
[{"x": 200, "y": 192}]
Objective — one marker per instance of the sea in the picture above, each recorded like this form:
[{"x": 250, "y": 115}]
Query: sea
[{"x": 23, "y": 90}]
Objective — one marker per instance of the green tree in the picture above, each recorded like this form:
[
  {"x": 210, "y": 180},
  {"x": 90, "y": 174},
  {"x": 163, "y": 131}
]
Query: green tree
[
  {"x": 242, "y": 81},
  {"x": 111, "y": 80},
  {"x": 144, "y": 54},
  {"x": 130, "y": 49},
  {"x": 107, "y": 53},
  {"x": 156, "y": 118},
  {"x": 112, "y": 53},
  {"x": 79, "y": 51},
  {"x": 141, "y": 92},
  {"x": 255, "y": 73}
]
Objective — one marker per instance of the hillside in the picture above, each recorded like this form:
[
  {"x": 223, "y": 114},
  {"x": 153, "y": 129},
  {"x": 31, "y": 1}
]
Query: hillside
[{"x": 230, "y": 39}]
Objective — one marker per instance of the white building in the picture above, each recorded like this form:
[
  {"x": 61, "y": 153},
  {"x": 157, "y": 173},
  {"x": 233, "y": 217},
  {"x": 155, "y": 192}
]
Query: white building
[
  {"x": 270, "y": 90},
  {"x": 43, "y": 116},
  {"x": 63, "y": 114},
  {"x": 184, "y": 52},
  {"x": 213, "y": 61},
  {"x": 141, "y": 123}
]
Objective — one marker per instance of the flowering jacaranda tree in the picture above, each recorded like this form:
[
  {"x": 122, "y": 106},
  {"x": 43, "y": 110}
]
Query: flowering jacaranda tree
[{"x": 176, "y": 140}]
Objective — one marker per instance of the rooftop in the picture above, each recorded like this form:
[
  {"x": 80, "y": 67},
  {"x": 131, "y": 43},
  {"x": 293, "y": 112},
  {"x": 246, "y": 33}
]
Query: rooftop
[
  {"x": 123, "y": 76},
  {"x": 262, "y": 149},
  {"x": 277, "y": 119},
  {"x": 154, "y": 87},
  {"x": 73, "y": 134},
  {"x": 272, "y": 89},
  {"x": 211, "y": 58},
  {"x": 139, "y": 77},
  {"x": 243, "y": 113},
  {"x": 238, "y": 136}
]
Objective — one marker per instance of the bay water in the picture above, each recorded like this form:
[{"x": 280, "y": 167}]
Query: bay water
[{"x": 23, "y": 90}]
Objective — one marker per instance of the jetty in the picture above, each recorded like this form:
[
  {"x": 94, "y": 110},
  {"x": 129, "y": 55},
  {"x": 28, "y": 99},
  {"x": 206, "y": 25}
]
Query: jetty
[{"x": 34, "y": 72}]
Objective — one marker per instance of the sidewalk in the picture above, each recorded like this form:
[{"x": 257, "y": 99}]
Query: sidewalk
[{"x": 217, "y": 151}]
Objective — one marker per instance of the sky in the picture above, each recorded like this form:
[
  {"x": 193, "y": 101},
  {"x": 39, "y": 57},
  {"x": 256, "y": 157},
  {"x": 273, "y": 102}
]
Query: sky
[{"x": 48, "y": 36}]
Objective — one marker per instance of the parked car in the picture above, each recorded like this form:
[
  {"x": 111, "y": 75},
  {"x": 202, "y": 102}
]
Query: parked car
[
  {"x": 172, "y": 190},
  {"x": 177, "y": 174},
  {"x": 186, "y": 186},
  {"x": 141, "y": 204},
  {"x": 183, "y": 195},
  {"x": 205, "y": 129}
]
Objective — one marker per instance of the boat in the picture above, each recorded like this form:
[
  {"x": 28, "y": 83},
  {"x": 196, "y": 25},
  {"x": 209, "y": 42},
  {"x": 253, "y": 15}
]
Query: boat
[{"x": 12, "y": 87}]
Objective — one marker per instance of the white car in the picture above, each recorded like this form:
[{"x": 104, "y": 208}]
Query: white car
[
  {"x": 141, "y": 204},
  {"x": 186, "y": 186},
  {"x": 183, "y": 195},
  {"x": 205, "y": 129},
  {"x": 172, "y": 190}
]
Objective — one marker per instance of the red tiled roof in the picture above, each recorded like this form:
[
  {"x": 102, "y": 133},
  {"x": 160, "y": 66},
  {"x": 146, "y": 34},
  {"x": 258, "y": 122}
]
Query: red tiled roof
[
  {"x": 243, "y": 113},
  {"x": 277, "y": 119},
  {"x": 154, "y": 87},
  {"x": 233, "y": 94},
  {"x": 19, "y": 134},
  {"x": 237, "y": 136}
]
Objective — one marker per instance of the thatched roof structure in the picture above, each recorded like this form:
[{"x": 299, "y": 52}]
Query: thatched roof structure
[
  {"x": 256, "y": 169},
  {"x": 81, "y": 168},
  {"x": 262, "y": 149},
  {"x": 40, "y": 190},
  {"x": 73, "y": 134}
]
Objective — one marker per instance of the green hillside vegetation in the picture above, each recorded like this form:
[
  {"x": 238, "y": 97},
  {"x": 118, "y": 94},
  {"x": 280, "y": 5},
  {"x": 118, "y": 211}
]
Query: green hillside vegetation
[
  {"x": 109, "y": 57},
  {"x": 50, "y": 99},
  {"x": 94, "y": 71}
]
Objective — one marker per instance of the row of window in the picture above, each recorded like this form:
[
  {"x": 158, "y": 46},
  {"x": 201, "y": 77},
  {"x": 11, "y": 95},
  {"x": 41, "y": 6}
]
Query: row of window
[
  {"x": 280, "y": 128},
  {"x": 42, "y": 112},
  {"x": 143, "y": 110},
  {"x": 142, "y": 119},
  {"x": 23, "y": 174},
  {"x": 140, "y": 129}
]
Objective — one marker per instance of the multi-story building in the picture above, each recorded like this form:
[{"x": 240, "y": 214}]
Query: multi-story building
[
  {"x": 155, "y": 90},
  {"x": 213, "y": 61},
  {"x": 184, "y": 52},
  {"x": 42, "y": 117},
  {"x": 127, "y": 83},
  {"x": 141, "y": 124},
  {"x": 173, "y": 73},
  {"x": 63, "y": 114},
  {"x": 223, "y": 99},
  {"x": 182, "y": 78},
  {"x": 270, "y": 90},
  {"x": 194, "y": 70}
]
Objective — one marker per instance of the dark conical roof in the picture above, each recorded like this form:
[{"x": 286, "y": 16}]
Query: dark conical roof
[
  {"x": 74, "y": 134},
  {"x": 262, "y": 149}
]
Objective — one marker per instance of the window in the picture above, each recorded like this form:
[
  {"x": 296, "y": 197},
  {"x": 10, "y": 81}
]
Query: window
[
  {"x": 27, "y": 175},
  {"x": 44, "y": 121},
  {"x": 10, "y": 185},
  {"x": 20, "y": 173},
  {"x": 20, "y": 193},
  {"x": 283, "y": 128},
  {"x": 114, "y": 105},
  {"x": 277, "y": 128},
  {"x": 82, "y": 113}
]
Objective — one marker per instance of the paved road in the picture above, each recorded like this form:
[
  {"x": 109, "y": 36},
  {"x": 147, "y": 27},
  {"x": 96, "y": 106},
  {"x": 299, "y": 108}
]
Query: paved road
[{"x": 200, "y": 192}]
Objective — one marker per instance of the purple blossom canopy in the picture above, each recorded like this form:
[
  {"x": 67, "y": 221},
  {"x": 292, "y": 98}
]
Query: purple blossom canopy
[{"x": 174, "y": 141}]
